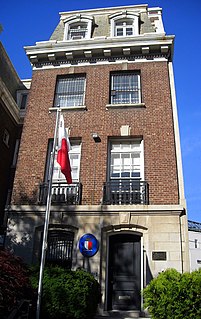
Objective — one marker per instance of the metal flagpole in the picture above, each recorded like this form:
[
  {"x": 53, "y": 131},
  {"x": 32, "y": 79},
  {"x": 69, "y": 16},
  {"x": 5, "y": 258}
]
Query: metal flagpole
[{"x": 47, "y": 216}]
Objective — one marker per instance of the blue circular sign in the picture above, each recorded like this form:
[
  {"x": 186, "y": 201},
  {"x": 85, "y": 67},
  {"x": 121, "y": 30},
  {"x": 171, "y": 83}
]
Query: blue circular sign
[{"x": 88, "y": 245}]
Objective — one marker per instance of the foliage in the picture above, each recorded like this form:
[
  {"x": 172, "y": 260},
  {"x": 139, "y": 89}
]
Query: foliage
[
  {"x": 14, "y": 282},
  {"x": 68, "y": 294},
  {"x": 174, "y": 295}
]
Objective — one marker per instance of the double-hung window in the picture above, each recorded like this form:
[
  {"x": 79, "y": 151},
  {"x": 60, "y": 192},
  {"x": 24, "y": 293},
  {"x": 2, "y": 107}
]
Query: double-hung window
[
  {"x": 70, "y": 91},
  {"x": 125, "y": 88}
]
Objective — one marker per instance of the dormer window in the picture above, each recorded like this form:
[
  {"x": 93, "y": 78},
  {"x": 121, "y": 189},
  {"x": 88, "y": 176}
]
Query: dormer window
[
  {"x": 124, "y": 24},
  {"x": 124, "y": 28},
  {"x": 78, "y": 27},
  {"x": 77, "y": 31}
]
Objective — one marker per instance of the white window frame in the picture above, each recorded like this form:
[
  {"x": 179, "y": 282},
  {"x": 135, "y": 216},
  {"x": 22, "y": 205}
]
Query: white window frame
[
  {"x": 126, "y": 90},
  {"x": 58, "y": 96},
  {"x": 124, "y": 16},
  {"x": 135, "y": 146},
  {"x": 76, "y": 20}
]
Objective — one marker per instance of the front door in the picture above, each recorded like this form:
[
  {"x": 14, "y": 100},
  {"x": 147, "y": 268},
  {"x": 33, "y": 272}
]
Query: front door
[{"x": 124, "y": 272}]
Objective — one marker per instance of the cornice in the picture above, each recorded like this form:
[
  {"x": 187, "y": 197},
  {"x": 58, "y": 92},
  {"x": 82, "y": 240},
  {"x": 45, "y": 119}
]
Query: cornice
[
  {"x": 104, "y": 48},
  {"x": 9, "y": 103}
]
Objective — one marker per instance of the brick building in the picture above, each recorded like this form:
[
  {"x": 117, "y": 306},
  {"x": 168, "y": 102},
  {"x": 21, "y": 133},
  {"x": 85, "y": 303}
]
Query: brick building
[
  {"x": 13, "y": 92},
  {"x": 110, "y": 71}
]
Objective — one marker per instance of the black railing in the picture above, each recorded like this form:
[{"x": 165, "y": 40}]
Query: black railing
[
  {"x": 69, "y": 194},
  {"x": 125, "y": 192}
]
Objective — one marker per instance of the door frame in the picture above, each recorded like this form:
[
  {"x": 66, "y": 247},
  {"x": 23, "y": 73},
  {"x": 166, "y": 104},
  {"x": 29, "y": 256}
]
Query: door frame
[{"x": 124, "y": 232}]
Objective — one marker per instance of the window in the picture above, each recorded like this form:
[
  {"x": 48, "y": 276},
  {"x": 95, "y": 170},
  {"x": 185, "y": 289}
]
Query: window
[
  {"x": 6, "y": 137},
  {"x": 126, "y": 160},
  {"x": 70, "y": 91},
  {"x": 77, "y": 31},
  {"x": 15, "y": 156},
  {"x": 125, "y": 88},
  {"x": 124, "y": 24},
  {"x": 74, "y": 155},
  {"x": 61, "y": 191},
  {"x": 60, "y": 248},
  {"x": 78, "y": 27},
  {"x": 124, "y": 28},
  {"x": 22, "y": 96},
  {"x": 125, "y": 184}
]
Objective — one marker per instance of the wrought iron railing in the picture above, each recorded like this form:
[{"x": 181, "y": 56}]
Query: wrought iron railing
[
  {"x": 125, "y": 192},
  {"x": 69, "y": 194}
]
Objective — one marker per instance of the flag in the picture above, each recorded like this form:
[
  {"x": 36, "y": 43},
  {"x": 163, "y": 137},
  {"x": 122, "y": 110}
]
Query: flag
[{"x": 63, "y": 151}]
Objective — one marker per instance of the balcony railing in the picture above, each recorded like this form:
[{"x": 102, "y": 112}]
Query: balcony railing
[
  {"x": 69, "y": 194},
  {"x": 125, "y": 192}
]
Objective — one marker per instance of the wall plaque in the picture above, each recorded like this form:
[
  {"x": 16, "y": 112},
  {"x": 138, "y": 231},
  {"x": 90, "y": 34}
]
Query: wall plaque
[{"x": 159, "y": 255}]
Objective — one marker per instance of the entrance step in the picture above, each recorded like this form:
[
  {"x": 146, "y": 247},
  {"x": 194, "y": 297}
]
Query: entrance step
[{"x": 121, "y": 315}]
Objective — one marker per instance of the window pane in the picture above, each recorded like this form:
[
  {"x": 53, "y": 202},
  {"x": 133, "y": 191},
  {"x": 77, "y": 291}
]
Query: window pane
[
  {"x": 119, "y": 32},
  {"x": 129, "y": 31}
]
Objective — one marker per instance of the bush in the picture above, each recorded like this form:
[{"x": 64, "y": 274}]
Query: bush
[
  {"x": 174, "y": 295},
  {"x": 68, "y": 294},
  {"x": 14, "y": 282}
]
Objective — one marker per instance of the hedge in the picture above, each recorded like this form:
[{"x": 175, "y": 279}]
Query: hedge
[
  {"x": 67, "y": 294},
  {"x": 174, "y": 295}
]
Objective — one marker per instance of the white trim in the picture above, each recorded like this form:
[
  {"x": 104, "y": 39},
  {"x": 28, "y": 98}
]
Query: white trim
[{"x": 182, "y": 200}]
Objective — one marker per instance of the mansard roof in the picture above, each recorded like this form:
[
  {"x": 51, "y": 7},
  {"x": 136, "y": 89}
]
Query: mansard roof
[{"x": 100, "y": 42}]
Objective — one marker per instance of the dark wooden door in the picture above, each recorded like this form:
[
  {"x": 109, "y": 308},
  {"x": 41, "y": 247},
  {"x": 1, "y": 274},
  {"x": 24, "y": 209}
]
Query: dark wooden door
[{"x": 124, "y": 272}]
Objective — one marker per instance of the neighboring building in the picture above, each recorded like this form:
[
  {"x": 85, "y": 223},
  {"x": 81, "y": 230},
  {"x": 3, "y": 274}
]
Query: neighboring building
[
  {"x": 13, "y": 92},
  {"x": 110, "y": 71},
  {"x": 194, "y": 232}
]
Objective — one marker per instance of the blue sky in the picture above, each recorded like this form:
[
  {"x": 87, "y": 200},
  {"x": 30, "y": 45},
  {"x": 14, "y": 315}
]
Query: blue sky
[{"x": 26, "y": 22}]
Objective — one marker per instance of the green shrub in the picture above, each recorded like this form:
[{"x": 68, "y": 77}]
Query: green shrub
[
  {"x": 68, "y": 294},
  {"x": 174, "y": 295},
  {"x": 14, "y": 282}
]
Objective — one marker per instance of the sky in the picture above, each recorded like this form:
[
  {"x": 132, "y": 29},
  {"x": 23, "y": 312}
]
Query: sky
[{"x": 26, "y": 22}]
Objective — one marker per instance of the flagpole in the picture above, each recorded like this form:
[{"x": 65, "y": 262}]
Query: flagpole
[{"x": 47, "y": 216}]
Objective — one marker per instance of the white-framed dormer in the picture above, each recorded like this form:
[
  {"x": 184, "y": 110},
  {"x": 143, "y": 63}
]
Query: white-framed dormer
[
  {"x": 78, "y": 27},
  {"x": 124, "y": 24}
]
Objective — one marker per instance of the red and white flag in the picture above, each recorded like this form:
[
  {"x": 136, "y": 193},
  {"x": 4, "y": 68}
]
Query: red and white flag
[{"x": 63, "y": 150}]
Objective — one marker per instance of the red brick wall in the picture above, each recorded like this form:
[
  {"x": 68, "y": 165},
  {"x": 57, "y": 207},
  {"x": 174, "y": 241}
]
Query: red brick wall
[{"x": 153, "y": 123}]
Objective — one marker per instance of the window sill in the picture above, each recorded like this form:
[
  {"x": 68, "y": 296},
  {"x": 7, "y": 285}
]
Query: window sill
[
  {"x": 115, "y": 106},
  {"x": 68, "y": 108}
]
